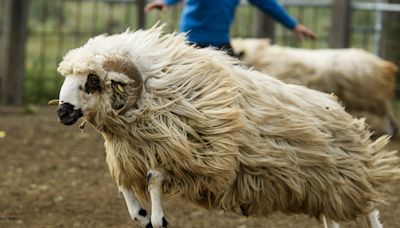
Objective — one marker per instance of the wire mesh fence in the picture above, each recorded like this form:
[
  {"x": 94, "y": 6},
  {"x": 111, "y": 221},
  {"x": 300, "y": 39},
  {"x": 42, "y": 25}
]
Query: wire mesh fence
[
  {"x": 57, "y": 26},
  {"x": 316, "y": 16}
]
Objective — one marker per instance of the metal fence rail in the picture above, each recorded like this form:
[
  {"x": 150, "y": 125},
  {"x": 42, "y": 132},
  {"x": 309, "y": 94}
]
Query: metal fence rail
[{"x": 56, "y": 26}]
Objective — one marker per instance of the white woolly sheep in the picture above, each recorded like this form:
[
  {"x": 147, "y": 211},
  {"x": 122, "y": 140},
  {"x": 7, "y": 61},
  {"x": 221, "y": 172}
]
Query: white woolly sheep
[
  {"x": 205, "y": 129},
  {"x": 363, "y": 82}
]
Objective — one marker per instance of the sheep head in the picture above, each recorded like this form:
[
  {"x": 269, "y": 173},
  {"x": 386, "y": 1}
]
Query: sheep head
[
  {"x": 101, "y": 84},
  {"x": 247, "y": 49}
]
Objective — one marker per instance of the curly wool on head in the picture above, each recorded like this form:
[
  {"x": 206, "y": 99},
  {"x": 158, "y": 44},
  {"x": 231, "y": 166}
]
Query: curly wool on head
[
  {"x": 232, "y": 138},
  {"x": 363, "y": 82}
]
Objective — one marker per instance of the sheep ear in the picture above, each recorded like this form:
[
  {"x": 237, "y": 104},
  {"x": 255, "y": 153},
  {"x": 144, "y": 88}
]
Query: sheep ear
[
  {"x": 125, "y": 94},
  {"x": 119, "y": 97}
]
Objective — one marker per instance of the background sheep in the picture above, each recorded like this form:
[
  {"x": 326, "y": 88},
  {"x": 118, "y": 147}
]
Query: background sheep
[
  {"x": 200, "y": 127},
  {"x": 363, "y": 82}
]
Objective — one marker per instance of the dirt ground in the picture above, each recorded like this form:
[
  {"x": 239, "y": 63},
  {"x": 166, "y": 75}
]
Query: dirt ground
[{"x": 56, "y": 176}]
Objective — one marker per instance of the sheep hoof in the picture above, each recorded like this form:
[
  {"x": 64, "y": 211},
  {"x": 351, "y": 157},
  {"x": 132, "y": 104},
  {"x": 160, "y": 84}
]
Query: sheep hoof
[{"x": 164, "y": 222}]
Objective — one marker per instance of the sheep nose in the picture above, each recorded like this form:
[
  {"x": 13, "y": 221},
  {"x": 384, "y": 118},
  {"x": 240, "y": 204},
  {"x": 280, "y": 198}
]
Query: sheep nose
[
  {"x": 65, "y": 109},
  {"x": 67, "y": 113}
]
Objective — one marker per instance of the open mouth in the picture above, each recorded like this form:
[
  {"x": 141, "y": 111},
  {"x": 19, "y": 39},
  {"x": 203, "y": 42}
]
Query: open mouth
[{"x": 67, "y": 114}]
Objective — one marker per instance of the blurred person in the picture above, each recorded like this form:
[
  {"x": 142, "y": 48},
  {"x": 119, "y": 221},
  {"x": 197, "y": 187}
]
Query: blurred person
[{"x": 208, "y": 22}]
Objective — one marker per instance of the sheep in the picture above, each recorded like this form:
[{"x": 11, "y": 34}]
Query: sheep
[
  {"x": 363, "y": 82},
  {"x": 193, "y": 123}
]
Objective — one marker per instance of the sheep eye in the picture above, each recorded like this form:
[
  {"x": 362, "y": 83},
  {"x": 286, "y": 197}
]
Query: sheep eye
[
  {"x": 93, "y": 80},
  {"x": 92, "y": 83}
]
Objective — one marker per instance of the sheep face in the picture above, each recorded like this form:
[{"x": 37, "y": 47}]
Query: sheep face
[
  {"x": 247, "y": 49},
  {"x": 113, "y": 85}
]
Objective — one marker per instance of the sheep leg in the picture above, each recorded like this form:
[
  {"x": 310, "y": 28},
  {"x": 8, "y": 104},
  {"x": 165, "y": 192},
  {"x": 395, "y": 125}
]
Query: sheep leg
[
  {"x": 329, "y": 223},
  {"x": 136, "y": 211},
  {"x": 155, "y": 179},
  {"x": 373, "y": 219}
]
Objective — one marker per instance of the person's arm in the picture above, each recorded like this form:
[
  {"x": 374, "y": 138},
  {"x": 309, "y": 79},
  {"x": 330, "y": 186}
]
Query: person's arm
[
  {"x": 278, "y": 12},
  {"x": 160, "y": 4},
  {"x": 171, "y": 2}
]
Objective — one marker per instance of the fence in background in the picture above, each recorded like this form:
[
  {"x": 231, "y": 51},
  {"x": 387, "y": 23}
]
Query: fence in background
[
  {"x": 56, "y": 26},
  {"x": 1, "y": 18}
]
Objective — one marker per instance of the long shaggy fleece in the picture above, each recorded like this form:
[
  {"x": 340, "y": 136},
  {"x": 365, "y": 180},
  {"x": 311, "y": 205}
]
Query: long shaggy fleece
[
  {"x": 235, "y": 139},
  {"x": 363, "y": 82}
]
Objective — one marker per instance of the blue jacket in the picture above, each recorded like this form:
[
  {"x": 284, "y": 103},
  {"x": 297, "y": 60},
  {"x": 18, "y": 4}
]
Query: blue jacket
[{"x": 208, "y": 21}]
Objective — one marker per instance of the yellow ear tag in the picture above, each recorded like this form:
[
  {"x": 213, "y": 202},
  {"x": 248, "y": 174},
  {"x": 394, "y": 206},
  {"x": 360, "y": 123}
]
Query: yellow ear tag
[{"x": 120, "y": 88}]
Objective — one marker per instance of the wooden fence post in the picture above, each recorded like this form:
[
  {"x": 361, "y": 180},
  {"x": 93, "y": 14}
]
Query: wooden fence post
[
  {"x": 340, "y": 30},
  {"x": 390, "y": 40},
  {"x": 141, "y": 16},
  {"x": 391, "y": 35},
  {"x": 263, "y": 25},
  {"x": 12, "y": 52}
]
